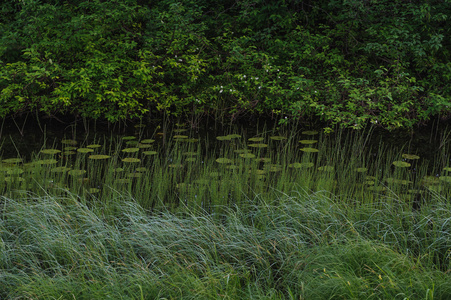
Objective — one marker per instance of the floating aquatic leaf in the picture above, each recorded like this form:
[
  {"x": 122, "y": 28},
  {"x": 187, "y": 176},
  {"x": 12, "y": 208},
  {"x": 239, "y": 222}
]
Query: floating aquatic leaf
[
  {"x": 232, "y": 167},
  {"x": 127, "y": 138},
  {"x": 131, "y": 143},
  {"x": 446, "y": 179},
  {"x": 180, "y": 137},
  {"x": 261, "y": 145},
  {"x": 430, "y": 180},
  {"x": 142, "y": 146},
  {"x": 308, "y": 149},
  {"x": 180, "y": 130},
  {"x": 44, "y": 162},
  {"x": 410, "y": 156},
  {"x": 401, "y": 164},
  {"x": 12, "y": 160},
  {"x": 369, "y": 182},
  {"x": 377, "y": 188},
  {"x": 256, "y": 139},
  {"x": 223, "y": 138},
  {"x": 93, "y": 146},
  {"x": 361, "y": 170},
  {"x": 130, "y": 150},
  {"x": 140, "y": 126},
  {"x": 70, "y": 148},
  {"x": 68, "y": 152},
  {"x": 118, "y": 170},
  {"x": 99, "y": 156},
  {"x": 191, "y": 140},
  {"x": 326, "y": 168},
  {"x": 93, "y": 190},
  {"x": 50, "y": 151},
  {"x": 141, "y": 169},
  {"x": 223, "y": 160},
  {"x": 69, "y": 142},
  {"x": 308, "y": 142},
  {"x": 301, "y": 165},
  {"x": 275, "y": 168},
  {"x": 60, "y": 169},
  {"x": 277, "y": 138},
  {"x": 147, "y": 141},
  {"x": 247, "y": 155},
  {"x": 14, "y": 171},
  {"x": 131, "y": 160},
  {"x": 85, "y": 150},
  {"x": 234, "y": 136},
  {"x": 11, "y": 179},
  {"x": 76, "y": 172},
  {"x": 150, "y": 152},
  {"x": 310, "y": 132}
]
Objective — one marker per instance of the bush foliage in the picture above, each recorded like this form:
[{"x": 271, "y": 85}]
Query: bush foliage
[{"x": 349, "y": 62}]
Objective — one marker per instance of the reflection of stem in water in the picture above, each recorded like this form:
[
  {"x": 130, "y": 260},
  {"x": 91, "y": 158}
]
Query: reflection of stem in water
[{"x": 23, "y": 125}]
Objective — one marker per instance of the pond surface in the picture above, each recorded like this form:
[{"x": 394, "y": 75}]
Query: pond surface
[{"x": 171, "y": 163}]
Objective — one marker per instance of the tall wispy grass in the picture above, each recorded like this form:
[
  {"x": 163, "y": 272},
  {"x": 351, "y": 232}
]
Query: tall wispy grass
[{"x": 308, "y": 246}]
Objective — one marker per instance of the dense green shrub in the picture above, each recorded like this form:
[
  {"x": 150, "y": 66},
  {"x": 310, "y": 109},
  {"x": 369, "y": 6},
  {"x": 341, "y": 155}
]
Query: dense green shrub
[{"x": 349, "y": 62}]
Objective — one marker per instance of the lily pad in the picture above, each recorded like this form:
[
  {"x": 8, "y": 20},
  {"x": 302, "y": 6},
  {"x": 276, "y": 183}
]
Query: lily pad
[
  {"x": 70, "y": 148},
  {"x": 14, "y": 171},
  {"x": 241, "y": 151},
  {"x": 308, "y": 142},
  {"x": 130, "y": 150},
  {"x": 11, "y": 179},
  {"x": 12, "y": 160},
  {"x": 131, "y": 143},
  {"x": 69, "y": 142},
  {"x": 309, "y": 149},
  {"x": 256, "y": 139},
  {"x": 44, "y": 162},
  {"x": 150, "y": 152},
  {"x": 361, "y": 170},
  {"x": 298, "y": 165},
  {"x": 410, "y": 156},
  {"x": 190, "y": 153},
  {"x": 179, "y": 130},
  {"x": 69, "y": 152},
  {"x": 247, "y": 155},
  {"x": 260, "y": 145},
  {"x": 99, "y": 156},
  {"x": 50, "y": 151},
  {"x": 310, "y": 132},
  {"x": 142, "y": 146},
  {"x": 128, "y": 138},
  {"x": 93, "y": 146},
  {"x": 234, "y": 136},
  {"x": 180, "y": 137},
  {"x": 85, "y": 150},
  {"x": 141, "y": 169},
  {"x": 63, "y": 169},
  {"x": 223, "y": 160},
  {"x": 446, "y": 179},
  {"x": 131, "y": 160},
  {"x": 401, "y": 164},
  {"x": 147, "y": 141},
  {"x": 76, "y": 172},
  {"x": 277, "y": 138},
  {"x": 223, "y": 138}
]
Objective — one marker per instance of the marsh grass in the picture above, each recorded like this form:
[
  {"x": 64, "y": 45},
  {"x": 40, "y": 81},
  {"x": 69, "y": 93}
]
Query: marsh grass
[
  {"x": 281, "y": 225},
  {"x": 308, "y": 246}
]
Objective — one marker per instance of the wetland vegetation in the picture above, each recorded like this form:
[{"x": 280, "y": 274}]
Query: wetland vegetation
[{"x": 272, "y": 214}]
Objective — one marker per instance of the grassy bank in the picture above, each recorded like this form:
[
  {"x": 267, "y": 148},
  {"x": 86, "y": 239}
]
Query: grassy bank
[
  {"x": 308, "y": 246},
  {"x": 286, "y": 215}
]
